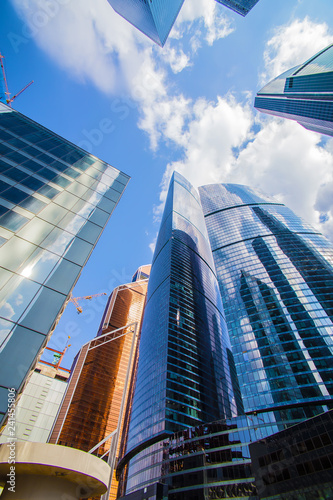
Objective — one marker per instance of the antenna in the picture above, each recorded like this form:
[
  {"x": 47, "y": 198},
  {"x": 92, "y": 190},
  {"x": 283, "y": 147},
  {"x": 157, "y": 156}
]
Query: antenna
[{"x": 4, "y": 92}]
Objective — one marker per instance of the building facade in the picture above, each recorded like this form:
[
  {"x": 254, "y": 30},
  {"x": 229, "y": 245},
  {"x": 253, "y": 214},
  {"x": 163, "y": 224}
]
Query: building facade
[
  {"x": 296, "y": 462},
  {"x": 275, "y": 277},
  {"x": 242, "y": 7},
  {"x": 95, "y": 403},
  {"x": 185, "y": 372},
  {"x": 303, "y": 93},
  {"x": 154, "y": 18},
  {"x": 38, "y": 404},
  {"x": 55, "y": 201}
]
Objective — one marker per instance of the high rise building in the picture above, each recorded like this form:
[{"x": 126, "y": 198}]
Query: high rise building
[
  {"x": 303, "y": 93},
  {"x": 242, "y": 7},
  {"x": 94, "y": 407},
  {"x": 55, "y": 200},
  {"x": 269, "y": 371},
  {"x": 38, "y": 404},
  {"x": 275, "y": 275},
  {"x": 185, "y": 372},
  {"x": 154, "y": 18}
]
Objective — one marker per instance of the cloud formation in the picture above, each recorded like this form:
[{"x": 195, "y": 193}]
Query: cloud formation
[{"x": 218, "y": 140}]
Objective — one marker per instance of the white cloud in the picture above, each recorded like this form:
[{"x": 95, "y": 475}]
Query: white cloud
[
  {"x": 282, "y": 159},
  {"x": 293, "y": 44}
]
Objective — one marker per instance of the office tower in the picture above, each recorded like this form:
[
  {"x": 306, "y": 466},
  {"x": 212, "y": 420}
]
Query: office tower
[
  {"x": 242, "y": 7},
  {"x": 303, "y": 93},
  {"x": 55, "y": 201},
  {"x": 276, "y": 278},
  {"x": 38, "y": 404},
  {"x": 100, "y": 387},
  {"x": 185, "y": 372},
  {"x": 296, "y": 462},
  {"x": 154, "y": 18}
]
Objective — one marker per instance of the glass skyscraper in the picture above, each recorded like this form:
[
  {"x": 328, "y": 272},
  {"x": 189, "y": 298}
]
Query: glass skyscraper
[
  {"x": 276, "y": 278},
  {"x": 55, "y": 200},
  {"x": 271, "y": 369},
  {"x": 99, "y": 389},
  {"x": 154, "y": 18},
  {"x": 303, "y": 93},
  {"x": 242, "y": 7}
]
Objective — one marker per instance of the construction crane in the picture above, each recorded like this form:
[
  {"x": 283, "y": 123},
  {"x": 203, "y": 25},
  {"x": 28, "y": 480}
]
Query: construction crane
[
  {"x": 4, "y": 92},
  {"x": 75, "y": 300}
]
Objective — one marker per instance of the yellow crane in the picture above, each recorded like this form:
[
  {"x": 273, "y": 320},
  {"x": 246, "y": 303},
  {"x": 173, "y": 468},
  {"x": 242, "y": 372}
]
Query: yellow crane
[{"x": 75, "y": 300}]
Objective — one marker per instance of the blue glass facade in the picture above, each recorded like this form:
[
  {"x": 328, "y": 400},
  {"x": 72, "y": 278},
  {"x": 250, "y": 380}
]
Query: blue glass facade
[
  {"x": 186, "y": 372},
  {"x": 275, "y": 276},
  {"x": 303, "y": 93},
  {"x": 55, "y": 200},
  {"x": 242, "y": 7},
  {"x": 154, "y": 18}
]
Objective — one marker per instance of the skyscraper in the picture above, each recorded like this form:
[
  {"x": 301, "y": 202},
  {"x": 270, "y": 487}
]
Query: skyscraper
[
  {"x": 55, "y": 201},
  {"x": 242, "y": 7},
  {"x": 276, "y": 278},
  {"x": 270, "y": 370},
  {"x": 154, "y": 18},
  {"x": 185, "y": 373},
  {"x": 95, "y": 402},
  {"x": 303, "y": 93}
]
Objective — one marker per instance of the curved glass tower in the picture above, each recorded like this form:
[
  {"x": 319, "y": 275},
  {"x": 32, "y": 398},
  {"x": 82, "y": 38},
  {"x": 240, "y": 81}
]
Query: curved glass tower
[
  {"x": 303, "y": 93},
  {"x": 276, "y": 278},
  {"x": 184, "y": 377}
]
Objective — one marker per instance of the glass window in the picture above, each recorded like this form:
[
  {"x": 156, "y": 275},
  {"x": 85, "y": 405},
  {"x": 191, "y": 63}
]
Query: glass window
[
  {"x": 14, "y": 195},
  {"x": 12, "y": 221},
  {"x": 99, "y": 217},
  {"x": 32, "y": 183},
  {"x": 15, "y": 174},
  {"x": 57, "y": 241},
  {"x": 49, "y": 192},
  {"x": 32, "y": 204},
  {"x": 53, "y": 213},
  {"x": 64, "y": 276},
  {"x": 43, "y": 310},
  {"x": 5, "y": 329},
  {"x": 15, "y": 252},
  {"x": 39, "y": 265},
  {"x": 90, "y": 232},
  {"x": 15, "y": 296},
  {"x": 35, "y": 231},
  {"x": 106, "y": 205},
  {"x": 20, "y": 351},
  {"x": 4, "y": 276},
  {"x": 66, "y": 200},
  {"x": 79, "y": 251}
]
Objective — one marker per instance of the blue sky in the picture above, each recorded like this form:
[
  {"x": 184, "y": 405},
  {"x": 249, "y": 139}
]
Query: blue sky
[{"x": 103, "y": 85}]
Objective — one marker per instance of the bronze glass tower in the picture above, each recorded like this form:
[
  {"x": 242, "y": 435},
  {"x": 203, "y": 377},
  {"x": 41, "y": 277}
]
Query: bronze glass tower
[{"x": 95, "y": 402}]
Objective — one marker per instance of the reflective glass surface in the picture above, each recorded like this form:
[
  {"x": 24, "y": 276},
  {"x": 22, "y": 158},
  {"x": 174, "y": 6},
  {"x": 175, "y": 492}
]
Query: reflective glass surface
[
  {"x": 242, "y": 7},
  {"x": 303, "y": 93},
  {"x": 275, "y": 276},
  {"x": 155, "y": 19},
  {"x": 92, "y": 407},
  {"x": 55, "y": 200},
  {"x": 185, "y": 372}
]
